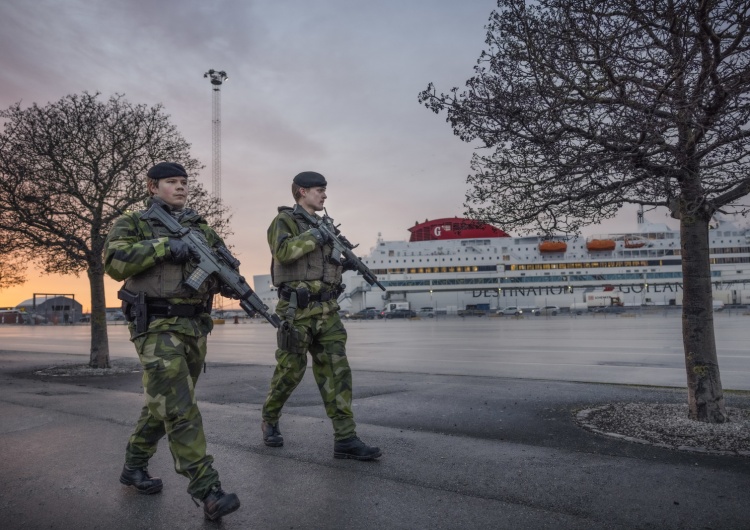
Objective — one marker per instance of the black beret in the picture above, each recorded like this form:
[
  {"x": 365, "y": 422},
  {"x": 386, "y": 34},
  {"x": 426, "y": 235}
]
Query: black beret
[
  {"x": 310, "y": 179},
  {"x": 164, "y": 170}
]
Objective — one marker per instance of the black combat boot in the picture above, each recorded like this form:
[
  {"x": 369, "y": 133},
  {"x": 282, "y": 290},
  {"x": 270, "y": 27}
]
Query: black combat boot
[
  {"x": 219, "y": 503},
  {"x": 272, "y": 435},
  {"x": 141, "y": 480},
  {"x": 355, "y": 448}
]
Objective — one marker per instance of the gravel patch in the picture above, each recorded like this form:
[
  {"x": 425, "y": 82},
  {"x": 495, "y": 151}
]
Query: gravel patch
[{"x": 668, "y": 425}]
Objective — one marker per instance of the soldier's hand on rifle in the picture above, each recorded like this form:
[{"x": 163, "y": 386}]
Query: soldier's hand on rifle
[
  {"x": 349, "y": 265},
  {"x": 228, "y": 292},
  {"x": 320, "y": 235},
  {"x": 181, "y": 252}
]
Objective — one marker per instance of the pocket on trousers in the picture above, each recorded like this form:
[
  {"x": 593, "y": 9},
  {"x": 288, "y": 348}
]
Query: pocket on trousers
[{"x": 154, "y": 366}]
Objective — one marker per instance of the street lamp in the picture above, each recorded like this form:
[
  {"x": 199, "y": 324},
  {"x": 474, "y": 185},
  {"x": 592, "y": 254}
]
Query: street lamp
[{"x": 217, "y": 77}]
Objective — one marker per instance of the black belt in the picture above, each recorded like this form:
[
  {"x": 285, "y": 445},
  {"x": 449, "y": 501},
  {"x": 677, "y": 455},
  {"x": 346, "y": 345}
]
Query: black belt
[
  {"x": 285, "y": 293},
  {"x": 175, "y": 310}
]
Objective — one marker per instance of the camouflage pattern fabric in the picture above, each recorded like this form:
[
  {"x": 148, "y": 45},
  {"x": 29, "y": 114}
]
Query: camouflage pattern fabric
[
  {"x": 172, "y": 352},
  {"x": 171, "y": 366},
  {"x": 133, "y": 247},
  {"x": 321, "y": 323},
  {"x": 330, "y": 367},
  {"x": 130, "y": 248},
  {"x": 286, "y": 242},
  {"x": 288, "y": 245}
]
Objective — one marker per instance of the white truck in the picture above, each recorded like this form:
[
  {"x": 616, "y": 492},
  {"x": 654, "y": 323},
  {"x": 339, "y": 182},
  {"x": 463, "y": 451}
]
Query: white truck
[
  {"x": 596, "y": 299},
  {"x": 392, "y": 306}
]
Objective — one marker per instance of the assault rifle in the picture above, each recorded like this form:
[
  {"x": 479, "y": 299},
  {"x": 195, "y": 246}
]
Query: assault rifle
[
  {"x": 341, "y": 246},
  {"x": 217, "y": 261}
]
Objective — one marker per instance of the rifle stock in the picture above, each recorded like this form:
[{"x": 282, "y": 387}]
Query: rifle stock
[{"x": 219, "y": 262}]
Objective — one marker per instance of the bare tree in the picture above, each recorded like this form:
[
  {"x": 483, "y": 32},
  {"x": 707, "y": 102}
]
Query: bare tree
[
  {"x": 587, "y": 105},
  {"x": 12, "y": 269},
  {"x": 68, "y": 169}
]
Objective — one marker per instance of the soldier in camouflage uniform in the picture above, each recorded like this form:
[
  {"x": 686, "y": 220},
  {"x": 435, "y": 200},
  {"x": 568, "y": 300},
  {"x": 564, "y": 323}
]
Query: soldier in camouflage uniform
[
  {"x": 308, "y": 285},
  {"x": 171, "y": 342}
]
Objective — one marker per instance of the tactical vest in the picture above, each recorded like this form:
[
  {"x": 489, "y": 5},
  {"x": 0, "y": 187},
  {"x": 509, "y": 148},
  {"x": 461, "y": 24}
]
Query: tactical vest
[
  {"x": 315, "y": 265},
  {"x": 165, "y": 279}
]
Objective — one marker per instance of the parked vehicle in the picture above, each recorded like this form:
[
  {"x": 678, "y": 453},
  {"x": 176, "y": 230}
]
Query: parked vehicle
[
  {"x": 393, "y": 306},
  {"x": 401, "y": 313},
  {"x": 426, "y": 312},
  {"x": 579, "y": 308},
  {"x": 511, "y": 310},
  {"x": 548, "y": 310},
  {"x": 365, "y": 314},
  {"x": 474, "y": 310},
  {"x": 605, "y": 298}
]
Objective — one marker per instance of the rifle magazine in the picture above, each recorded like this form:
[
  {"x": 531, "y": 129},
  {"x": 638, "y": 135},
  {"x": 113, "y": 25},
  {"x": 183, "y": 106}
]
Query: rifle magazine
[{"x": 196, "y": 279}]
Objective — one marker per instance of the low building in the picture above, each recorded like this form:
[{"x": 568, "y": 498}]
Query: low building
[{"x": 53, "y": 309}]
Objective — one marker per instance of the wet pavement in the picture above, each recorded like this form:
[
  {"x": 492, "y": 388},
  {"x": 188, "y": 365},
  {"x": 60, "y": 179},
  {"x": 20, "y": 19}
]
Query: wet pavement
[
  {"x": 459, "y": 450},
  {"x": 641, "y": 348}
]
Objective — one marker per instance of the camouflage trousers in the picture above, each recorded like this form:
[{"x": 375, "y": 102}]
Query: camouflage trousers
[
  {"x": 172, "y": 363},
  {"x": 326, "y": 342}
]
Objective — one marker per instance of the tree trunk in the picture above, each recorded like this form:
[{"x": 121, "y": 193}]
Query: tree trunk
[
  {"x": 705, "y": 395},
  {"x": 99, "y": 340}
]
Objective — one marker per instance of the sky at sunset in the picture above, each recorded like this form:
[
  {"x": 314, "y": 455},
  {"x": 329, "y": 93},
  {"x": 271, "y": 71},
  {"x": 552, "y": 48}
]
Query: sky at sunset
[{"x": 328, "y": 86}]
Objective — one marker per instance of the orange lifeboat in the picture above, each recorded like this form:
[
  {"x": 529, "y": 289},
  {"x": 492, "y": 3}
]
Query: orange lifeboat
[
  {"x": 553, "y": 246},
  {"x": 600, "y": 244}
]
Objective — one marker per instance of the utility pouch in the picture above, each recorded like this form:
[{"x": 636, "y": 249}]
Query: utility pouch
[
  {"x": 289, "y": 338},
  {"x": 303, "y": 297}
]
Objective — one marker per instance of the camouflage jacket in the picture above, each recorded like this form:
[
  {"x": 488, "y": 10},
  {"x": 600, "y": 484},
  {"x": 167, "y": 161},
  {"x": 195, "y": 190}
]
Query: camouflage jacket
[
  {"x": 136, "y": 249},
  {"x": 288, "y": 243}
]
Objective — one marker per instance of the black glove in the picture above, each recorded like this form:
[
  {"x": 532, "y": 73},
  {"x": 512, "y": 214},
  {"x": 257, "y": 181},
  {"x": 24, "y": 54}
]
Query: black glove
[
  {"x": 181, "y": 252},
  {"x": 228, "y": 292},
  {"x": 348, "y": 265},
  {"x": 320, "y": 236}
]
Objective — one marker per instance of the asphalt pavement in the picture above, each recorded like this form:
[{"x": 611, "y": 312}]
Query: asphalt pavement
[{"x": 458, "y": 452}]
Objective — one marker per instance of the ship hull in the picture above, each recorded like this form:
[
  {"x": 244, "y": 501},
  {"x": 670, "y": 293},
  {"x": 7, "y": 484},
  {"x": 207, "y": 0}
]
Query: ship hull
[{"x": 492, "y": 270}]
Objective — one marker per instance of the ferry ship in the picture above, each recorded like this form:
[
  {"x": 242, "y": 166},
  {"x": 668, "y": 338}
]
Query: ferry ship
[{"x": 454, "y": 264}]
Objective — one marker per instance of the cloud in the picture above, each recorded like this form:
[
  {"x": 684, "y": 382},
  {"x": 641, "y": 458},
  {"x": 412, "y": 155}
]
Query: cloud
[{"x": 329, "y": 86}]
